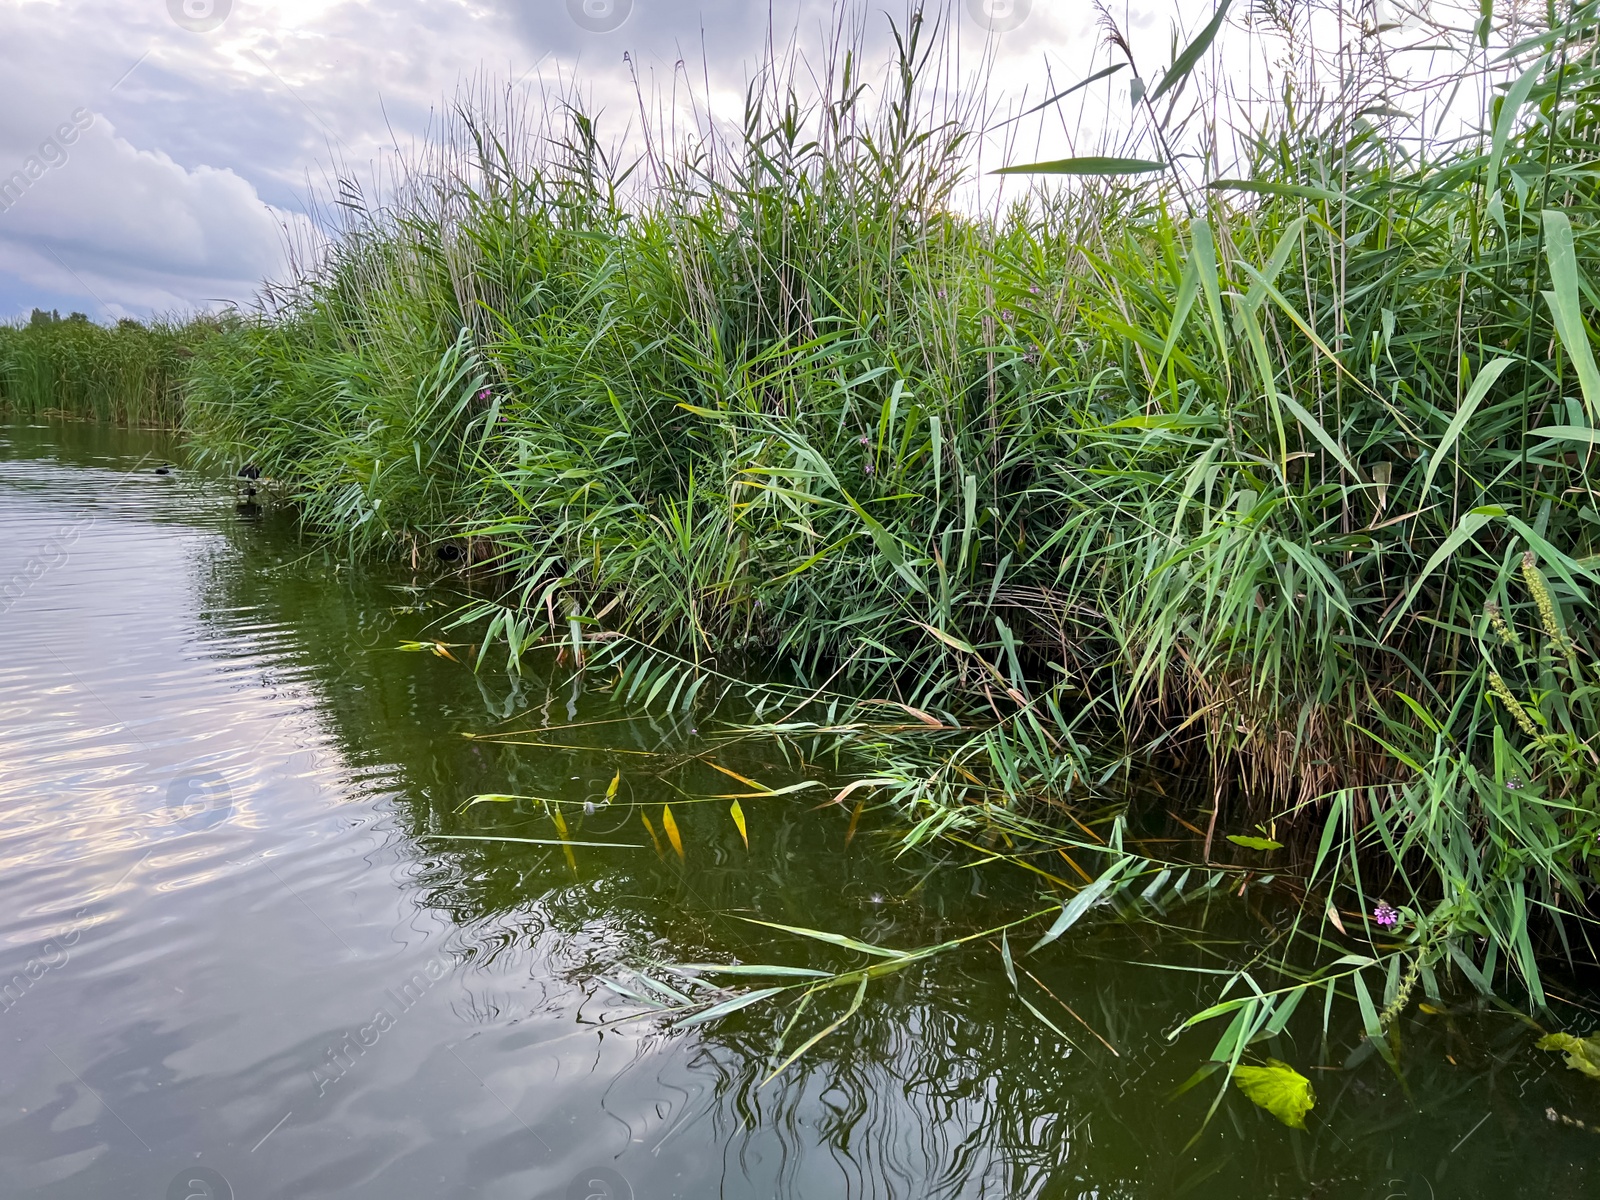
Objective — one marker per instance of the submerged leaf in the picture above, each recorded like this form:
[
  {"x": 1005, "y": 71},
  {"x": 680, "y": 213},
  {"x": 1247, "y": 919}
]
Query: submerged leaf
[
  {"x": 855, "y": 817},
  {"x": 472, "y": 837},
  {"x": 1583, "y": 1054},
  {"x": 1254, "y": 843},
  {"x": 1278, "y": 1088},
  {"x": 671, "y": 827}
]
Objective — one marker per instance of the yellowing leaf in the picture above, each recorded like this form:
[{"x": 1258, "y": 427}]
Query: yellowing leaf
[
  {"x": 1278, "y": 1088},
  {"x": 651, "y": 830},
  {"x": 561, "y": 828},
  {"x": 611, "y": 792},
  {"x": 760, "y": 787},
  {"x": 1254, "y": 843},
  {"x": 1583, "y": 1054},
  {"x": 1333, "y": 916},
  {"x": 671, "y": 827},
  {"x": 738, "y": 819}
]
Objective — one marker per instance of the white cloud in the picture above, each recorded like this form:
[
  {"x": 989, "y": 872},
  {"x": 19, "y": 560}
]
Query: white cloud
[
  {"x": 198, "y": 156},
  {"x": 131, "y": 227}
]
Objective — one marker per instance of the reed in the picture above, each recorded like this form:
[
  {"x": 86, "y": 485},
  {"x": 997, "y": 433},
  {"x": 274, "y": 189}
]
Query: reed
[
  {"x": 1230, "y": 468},
  {"x": 129, "y": 373}
]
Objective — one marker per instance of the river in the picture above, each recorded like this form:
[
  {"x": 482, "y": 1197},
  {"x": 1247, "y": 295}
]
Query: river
[{"x": 241, "y": 955}]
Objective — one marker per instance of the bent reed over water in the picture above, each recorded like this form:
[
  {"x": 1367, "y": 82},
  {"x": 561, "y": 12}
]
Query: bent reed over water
[{"x": 1275, "y": 477}]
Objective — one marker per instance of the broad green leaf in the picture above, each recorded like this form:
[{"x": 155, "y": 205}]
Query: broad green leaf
[
  {"x": 1079, "y": 905},
  {"x": 1278, "y": 1088},
  {"x": 1509, "y": 107},
  {"x": 1567, "y": 433},
  {"x": 1583, "y": 1054},
  {"x": 1184, "y": 63},
  {"x": 1089, "y": 164},
  {"x": 1250, "y": 842},
  {"x": 1566, "y": 307},
  {"x": 1470, "y": 524},
  {"x": 1469, "y": 405}
]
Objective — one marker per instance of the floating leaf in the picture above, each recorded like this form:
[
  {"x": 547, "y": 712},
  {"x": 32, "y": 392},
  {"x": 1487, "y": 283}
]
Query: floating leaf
[
  {"x": 1583, "y": 1054},
  {"x": 1278, "y": 1088},
  {"x": 1254, "y": 843},
  {"x": 753, "y": 969},
  {"x": 728, "y": 1006},
  {"x": 611, "y": 792},
  {"x": 1078, "y": 905},
  {"x": 738, "y": 819},
  {"x": 788, "y": 790},
  {"x": 833, "y": 939},
  {"x": 671, "y": 827}
]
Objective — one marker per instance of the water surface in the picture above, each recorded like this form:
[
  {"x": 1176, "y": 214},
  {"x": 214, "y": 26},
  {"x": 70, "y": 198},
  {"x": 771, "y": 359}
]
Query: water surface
[{"x": 238, "y": 960}]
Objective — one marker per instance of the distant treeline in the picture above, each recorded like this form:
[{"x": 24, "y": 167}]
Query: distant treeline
[{"x": 131, "y": 372}]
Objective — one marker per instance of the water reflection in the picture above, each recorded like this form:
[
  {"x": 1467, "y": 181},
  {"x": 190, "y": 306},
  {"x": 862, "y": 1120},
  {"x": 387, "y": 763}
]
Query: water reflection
[{"x": 286, "y": 972}]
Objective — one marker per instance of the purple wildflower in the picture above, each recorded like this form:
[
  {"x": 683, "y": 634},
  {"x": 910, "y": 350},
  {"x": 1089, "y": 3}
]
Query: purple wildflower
[
  {"x": 485, "y": 394},
  {"x": 870, "y": 467},
  {"x": 865, "y": 440},
  {"x": 1386, "y": 916}
]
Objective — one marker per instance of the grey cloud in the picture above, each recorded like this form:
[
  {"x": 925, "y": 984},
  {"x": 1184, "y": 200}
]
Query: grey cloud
[{"x": 197, "y": 159}]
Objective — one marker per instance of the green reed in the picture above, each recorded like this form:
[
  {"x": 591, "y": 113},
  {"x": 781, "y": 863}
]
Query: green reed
[
  {"x": 1229, "y": 474},
  {"x": 129, "y": 373}
]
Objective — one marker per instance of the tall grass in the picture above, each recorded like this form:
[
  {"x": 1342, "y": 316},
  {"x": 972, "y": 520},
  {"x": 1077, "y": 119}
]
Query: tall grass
[
  {"x": 129, "y": 373},
  {"x": 1232, "y": 467}
]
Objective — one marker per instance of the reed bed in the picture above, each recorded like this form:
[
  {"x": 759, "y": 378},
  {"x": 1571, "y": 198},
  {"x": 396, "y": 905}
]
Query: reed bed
[
  {"x": 1256, "y": 450},
  {"x": 130, "y": 373}
]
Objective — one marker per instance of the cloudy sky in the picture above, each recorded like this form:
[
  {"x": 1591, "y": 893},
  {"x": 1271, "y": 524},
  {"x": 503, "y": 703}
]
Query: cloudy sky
[{"x": 167, "y": 147}]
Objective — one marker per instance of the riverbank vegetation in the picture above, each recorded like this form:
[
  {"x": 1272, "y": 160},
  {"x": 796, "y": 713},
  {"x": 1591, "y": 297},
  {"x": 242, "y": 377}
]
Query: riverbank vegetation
[
  {"x": 1255, "y": 458},
  {"x": 131, "y": 373}
]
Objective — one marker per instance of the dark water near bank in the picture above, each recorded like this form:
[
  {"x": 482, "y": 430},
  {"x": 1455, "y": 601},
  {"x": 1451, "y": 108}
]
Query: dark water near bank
[{"x": 233, "y": 948}]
